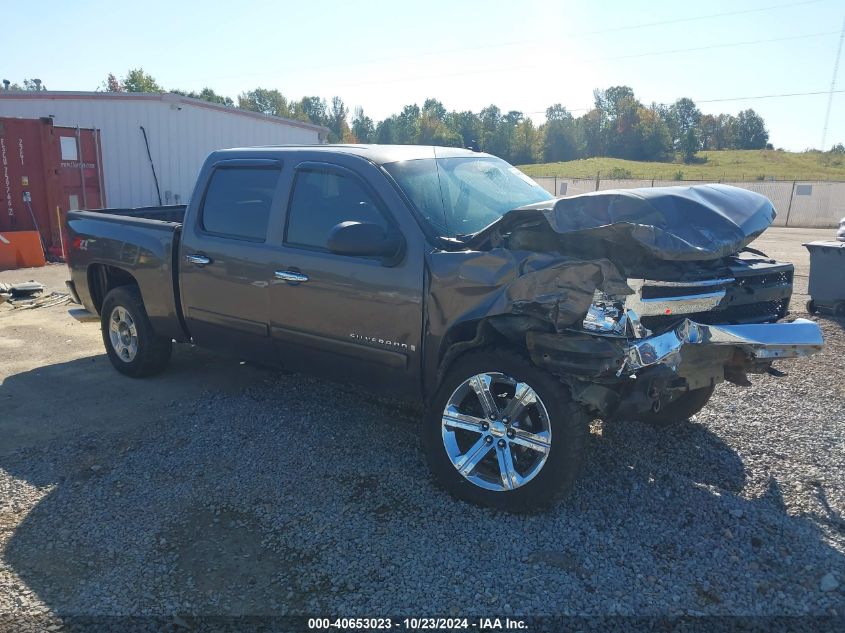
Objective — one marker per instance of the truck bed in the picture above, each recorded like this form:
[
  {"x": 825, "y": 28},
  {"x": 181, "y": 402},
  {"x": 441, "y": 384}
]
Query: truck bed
[{"x": 142, "y": 242}]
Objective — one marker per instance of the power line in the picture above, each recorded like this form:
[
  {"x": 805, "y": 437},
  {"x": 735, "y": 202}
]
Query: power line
[
  {"x": 703, "y": 17},
  {"x": 500, "y": 69},
  {"x": 712, "y": 46},
  {"x": 629, "y": 27},
  {"x": 773, "y": 96}
]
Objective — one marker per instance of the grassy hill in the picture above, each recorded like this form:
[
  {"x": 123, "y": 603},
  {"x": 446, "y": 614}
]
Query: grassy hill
[{"x": 714, "y": 165}]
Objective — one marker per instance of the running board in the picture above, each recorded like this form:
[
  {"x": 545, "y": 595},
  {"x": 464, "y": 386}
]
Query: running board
[{"x": 83, "y": 316}]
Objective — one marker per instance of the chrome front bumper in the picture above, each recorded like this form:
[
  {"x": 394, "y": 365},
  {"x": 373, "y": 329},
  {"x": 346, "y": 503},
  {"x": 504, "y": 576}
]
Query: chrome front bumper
[{"x": 765, "y": 341}]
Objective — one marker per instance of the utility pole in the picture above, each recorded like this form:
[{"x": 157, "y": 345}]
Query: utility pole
[{"x": 833, "y": 85}]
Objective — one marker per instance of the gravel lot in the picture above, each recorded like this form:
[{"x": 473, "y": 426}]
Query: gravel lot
[{"x": 221, "y": 489}]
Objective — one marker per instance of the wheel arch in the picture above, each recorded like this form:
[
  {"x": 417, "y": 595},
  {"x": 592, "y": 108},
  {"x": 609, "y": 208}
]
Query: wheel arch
[
  {"x": 506, "y": 330},
  {"x": 103, "y": 278}
]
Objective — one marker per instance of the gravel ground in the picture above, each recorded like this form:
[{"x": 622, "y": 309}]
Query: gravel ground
[
  {"x": 217, "y": 488},
  {"x": 298, "y": 496}
]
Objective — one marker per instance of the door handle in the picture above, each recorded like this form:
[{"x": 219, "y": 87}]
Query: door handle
[
  {"x": 199, "y": 260},
  {"x": 290, "y": 275}
]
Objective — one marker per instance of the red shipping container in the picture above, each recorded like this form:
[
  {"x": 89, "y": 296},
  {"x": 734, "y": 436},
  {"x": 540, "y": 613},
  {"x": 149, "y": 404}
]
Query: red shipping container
[{"x": 45, "y": 171}]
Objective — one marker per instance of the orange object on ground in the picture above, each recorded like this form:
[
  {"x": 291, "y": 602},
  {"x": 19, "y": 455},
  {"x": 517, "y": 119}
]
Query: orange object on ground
[{"x": 20, "y": 249}]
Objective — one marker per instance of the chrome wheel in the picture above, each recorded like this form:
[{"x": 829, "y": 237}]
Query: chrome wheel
[
  {"x": 496, "y": 431},
  {"x": 123, "y": 334}
]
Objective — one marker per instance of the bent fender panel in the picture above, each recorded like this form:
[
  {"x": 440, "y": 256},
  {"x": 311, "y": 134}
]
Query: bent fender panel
[{"x": 472, "y": 285}]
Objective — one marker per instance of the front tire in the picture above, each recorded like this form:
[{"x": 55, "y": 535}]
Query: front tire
[
  {"x": 503, "y": 433},
  {"x": 134, "y": 349}
]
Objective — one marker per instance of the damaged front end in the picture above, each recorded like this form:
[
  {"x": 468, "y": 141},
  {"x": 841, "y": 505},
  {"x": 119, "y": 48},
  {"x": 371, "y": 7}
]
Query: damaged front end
[
  {"x": 619, "y": 368},
  {"x": 631, "y": 298}
]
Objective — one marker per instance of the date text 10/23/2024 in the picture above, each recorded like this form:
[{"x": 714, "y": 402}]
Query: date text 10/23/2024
[{"x": 417, "y": 624}]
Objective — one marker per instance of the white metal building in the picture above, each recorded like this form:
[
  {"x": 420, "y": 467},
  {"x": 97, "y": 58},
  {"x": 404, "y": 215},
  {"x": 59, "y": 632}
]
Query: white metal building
[{"x": 181, "y": 132}]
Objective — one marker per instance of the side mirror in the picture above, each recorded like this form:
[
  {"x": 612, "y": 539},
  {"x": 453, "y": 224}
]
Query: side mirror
[{"x": 363, "y": 239}]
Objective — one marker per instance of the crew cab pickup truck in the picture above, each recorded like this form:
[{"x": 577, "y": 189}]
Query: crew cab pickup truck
[{"x": 448, "y": 277}]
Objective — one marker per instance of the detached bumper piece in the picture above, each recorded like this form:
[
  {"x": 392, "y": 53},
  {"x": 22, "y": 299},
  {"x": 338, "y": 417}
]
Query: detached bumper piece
[{"x": 762, "y": 342}]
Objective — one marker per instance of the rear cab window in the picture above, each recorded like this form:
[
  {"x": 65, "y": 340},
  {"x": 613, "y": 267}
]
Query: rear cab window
[{"x": 237, "y": 202}]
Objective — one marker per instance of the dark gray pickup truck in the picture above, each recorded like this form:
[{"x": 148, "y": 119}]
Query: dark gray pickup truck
[{"x": 448, "y": 277}]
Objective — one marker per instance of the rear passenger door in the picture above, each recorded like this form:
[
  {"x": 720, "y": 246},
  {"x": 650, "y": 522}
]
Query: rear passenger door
[
  {"x": 226, "y": 261},
  {"x": 349, "y": 318}
]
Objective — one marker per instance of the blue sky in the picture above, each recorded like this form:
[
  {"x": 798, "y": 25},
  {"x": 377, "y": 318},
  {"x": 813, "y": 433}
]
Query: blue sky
[{"x": 522, "y": 55}]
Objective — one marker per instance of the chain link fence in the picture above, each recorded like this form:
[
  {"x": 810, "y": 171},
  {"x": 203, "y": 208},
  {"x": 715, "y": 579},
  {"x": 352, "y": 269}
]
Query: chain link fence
[{"x": 799, "y": 203}]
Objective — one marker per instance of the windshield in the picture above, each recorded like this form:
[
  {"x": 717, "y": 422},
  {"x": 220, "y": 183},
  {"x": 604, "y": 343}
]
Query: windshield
[{"x": 459, "y": 196}]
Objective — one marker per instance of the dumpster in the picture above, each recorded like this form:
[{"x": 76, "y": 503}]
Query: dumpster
[
  {"x": 827, "y": 277},
  {"x": 21, "y": 249}
]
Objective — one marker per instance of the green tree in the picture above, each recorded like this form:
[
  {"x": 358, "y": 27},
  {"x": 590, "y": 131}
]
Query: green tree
[
  {"x": 33, "y": 85},
  {"x": 490, "y": 141},
  {"x": 609, "y": 100},
  {"x": 136, "y": 80},
  {"x": 717, "y": 131},
  {"x": 468, "y": 125},
  {"x": 311, "y": 110},
  {"x": 265, "y": 101},
  {"x": 624, "y": 139},
  {"x": 559, "y": 141},
  {"x": 749, "y": 131},
  {"x": 433, "y": 108},
  {"x": 30, "y": 85},
  {"x": 592, "y": 129},
  {"x": 362, "y": 126},
  {"x": 619, "y": 126},
  {"x": 406, "y": 125},
  {"x": 338, "y": 127},
  {"x": 557, "y": 113},
  {"x": 689, "y": 145},
  {"x": 615, "y": 120},
  {"x": 434, "y": 131},
  {"x": 526, "y": 146},
  {"x": 506, "y": 134},
  {"x": 654, "y": 137},
  {"x": 685, "y": 116},
  {"x": 206, "y": 94},
  {"x": 386, "y": 131}
]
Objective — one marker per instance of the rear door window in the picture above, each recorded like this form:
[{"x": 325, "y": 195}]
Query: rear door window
[
  {"x": 237, "y": 202},
  {"x": 323, "y": 199}
]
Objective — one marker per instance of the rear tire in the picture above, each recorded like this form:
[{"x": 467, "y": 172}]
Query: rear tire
[
  {"x": 133, "y": 348},
  {"x": 811, "y": 307},
  {"x": 680, "y": 409},
  {"x": 527, "y": 456}
]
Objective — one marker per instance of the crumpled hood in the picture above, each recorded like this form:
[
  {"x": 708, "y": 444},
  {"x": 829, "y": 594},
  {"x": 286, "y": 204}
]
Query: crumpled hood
[
  {"x": 698, "y": 223},
  {"x": 545, "y": 261}
]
